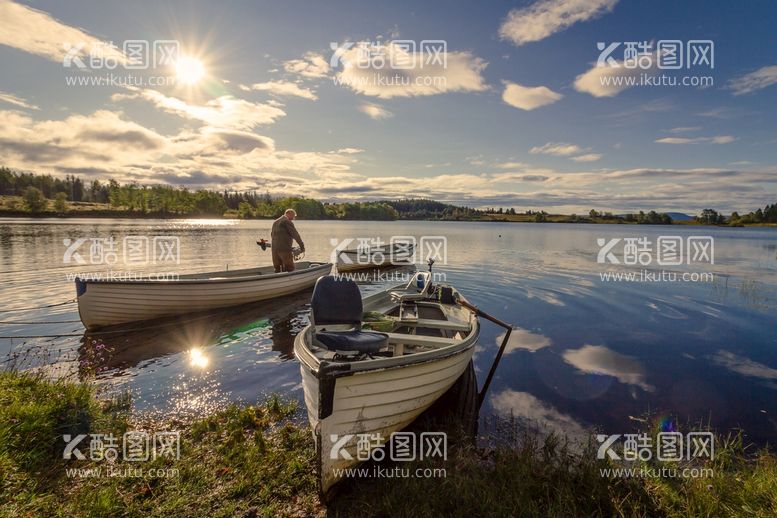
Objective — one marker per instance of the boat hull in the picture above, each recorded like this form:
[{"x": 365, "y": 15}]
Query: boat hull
[
  {"x": 377, "y": 404},
  {"x": 108, "y": 303}
]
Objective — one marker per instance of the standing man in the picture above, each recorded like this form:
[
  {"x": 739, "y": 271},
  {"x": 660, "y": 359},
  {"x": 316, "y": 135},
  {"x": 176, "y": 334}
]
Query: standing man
[{"x": 283, "y": 233}]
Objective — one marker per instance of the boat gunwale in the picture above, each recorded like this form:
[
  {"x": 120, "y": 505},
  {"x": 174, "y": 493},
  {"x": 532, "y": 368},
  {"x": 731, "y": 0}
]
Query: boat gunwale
[{"x": 314, "y": 267}]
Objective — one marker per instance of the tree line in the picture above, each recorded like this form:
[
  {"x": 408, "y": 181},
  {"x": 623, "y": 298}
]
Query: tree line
[
  {"x": 168, "y": 201},
  {"x": 15, "y": 183},
  {"x": 767, "y": 215}
]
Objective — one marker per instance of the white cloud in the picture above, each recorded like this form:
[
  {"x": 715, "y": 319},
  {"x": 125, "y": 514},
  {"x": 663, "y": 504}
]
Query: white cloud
[
  {"x": 223, "y": 112},
  {"x": 685, "y": 129},
  {"x": 744, "y": 366},
  {"x": 17, "y": 101},
  {"x": 510, "y": 165},
  {"x": 531, "y": 410},
  {"x": 312, "y": 65},
  {"x": 546, "y": 17},
  {"x": 597, "y": 359},
  {"x": 720, "y": 139},
  {"x": 375, "y": 111},
  {"x": 609, "y": 81},
  {"x": 523, "y": 339},
  {"x": 557, "y": 149},
  {"x": 761, "y": 78},
  {"x": 106, "y": 144},
  {"x": 527, "y": 97},
  {"x": 236, "y": 141},
  {"x": 78, "y": 141},
  {"x": 590, "y": 157},
  {"x": 458, "y": 72},
  {"x": 722, "y": 112},
  {"x": 283, "y": 88},
  {"x": 36, "y": 32}
]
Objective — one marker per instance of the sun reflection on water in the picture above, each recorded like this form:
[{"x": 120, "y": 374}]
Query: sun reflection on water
[{"x": 197, "y": 358}]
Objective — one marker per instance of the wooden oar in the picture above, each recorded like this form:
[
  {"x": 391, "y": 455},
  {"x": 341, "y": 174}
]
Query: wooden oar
[{"x": 508, "y": 327}]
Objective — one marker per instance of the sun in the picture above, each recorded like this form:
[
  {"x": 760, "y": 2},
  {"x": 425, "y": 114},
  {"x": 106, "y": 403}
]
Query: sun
[{"x": 189, "y": 70}]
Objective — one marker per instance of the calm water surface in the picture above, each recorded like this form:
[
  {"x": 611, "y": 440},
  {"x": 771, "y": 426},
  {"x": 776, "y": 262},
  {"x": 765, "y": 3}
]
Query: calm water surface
[{"x": 587, "y": 353}]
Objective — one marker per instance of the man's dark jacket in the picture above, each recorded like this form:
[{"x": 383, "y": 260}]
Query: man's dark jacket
[{"x": 283, "y": 233}]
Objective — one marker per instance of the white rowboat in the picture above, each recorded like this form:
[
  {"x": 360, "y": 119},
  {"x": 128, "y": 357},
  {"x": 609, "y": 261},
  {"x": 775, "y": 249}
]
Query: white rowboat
[
  {"x": 362, "y": 382},
  {"x": 396, "y": 254},
  {"x": 110, "y": 302}
]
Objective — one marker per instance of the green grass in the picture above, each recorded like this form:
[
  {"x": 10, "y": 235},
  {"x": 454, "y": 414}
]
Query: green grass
[
  {"x": 33, "y": 417},
  {"x": 545, "y": 478},
  {"x": 241, "y": 461},
  {"x": 255, "y": 461}
]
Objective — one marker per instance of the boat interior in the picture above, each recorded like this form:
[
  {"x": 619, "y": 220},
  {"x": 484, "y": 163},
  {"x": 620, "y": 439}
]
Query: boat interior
[{"x": 405, "y": 320}]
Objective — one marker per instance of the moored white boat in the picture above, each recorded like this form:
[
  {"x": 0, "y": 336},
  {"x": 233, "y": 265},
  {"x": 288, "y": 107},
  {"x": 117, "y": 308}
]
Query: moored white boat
[
  {"x": 358, "y": 381},
  {"x": 395, "y": 254},
  {"x": 110, "y": 302}
]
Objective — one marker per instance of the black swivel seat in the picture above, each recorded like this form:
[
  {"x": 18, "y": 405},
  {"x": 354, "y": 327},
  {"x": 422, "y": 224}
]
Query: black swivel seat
[{"x": 338, "y": 301}]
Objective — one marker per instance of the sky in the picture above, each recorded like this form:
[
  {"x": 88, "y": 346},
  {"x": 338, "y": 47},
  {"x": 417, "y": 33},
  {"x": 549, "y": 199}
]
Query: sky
[{"x": 484, "y": 104}]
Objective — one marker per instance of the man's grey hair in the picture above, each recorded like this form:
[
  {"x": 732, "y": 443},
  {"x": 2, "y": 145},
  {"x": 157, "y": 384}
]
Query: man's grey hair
[{"x": 290, "y": 211}]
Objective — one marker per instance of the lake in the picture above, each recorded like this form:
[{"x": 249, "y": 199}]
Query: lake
[{"x": 696, "y": 343}]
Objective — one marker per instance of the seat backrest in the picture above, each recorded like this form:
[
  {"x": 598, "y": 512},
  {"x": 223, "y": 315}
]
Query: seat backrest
[
  {"x": 422, "y": 281},
  {"x": 336, "y": 301}
]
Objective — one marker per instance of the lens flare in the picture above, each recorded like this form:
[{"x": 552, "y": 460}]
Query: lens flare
[{"x": 667, "y": 424}]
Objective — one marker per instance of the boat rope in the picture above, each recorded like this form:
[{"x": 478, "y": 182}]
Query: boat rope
[{"x": 38, "y": 307}]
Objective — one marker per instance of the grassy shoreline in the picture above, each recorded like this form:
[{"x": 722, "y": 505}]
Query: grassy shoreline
[{"x": 256, "y": 461}]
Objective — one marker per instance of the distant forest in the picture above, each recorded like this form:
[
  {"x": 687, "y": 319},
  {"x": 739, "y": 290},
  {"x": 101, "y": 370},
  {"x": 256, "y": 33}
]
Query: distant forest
[
  {"x": 48, "y": 195},
  {"x": 168, "y": 201}
]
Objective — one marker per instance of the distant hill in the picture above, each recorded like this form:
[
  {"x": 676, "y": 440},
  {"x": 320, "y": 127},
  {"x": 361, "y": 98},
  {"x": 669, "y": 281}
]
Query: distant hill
[
  {"x": 680, "y": 216},
  {"x": 425, "y": 209}
]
